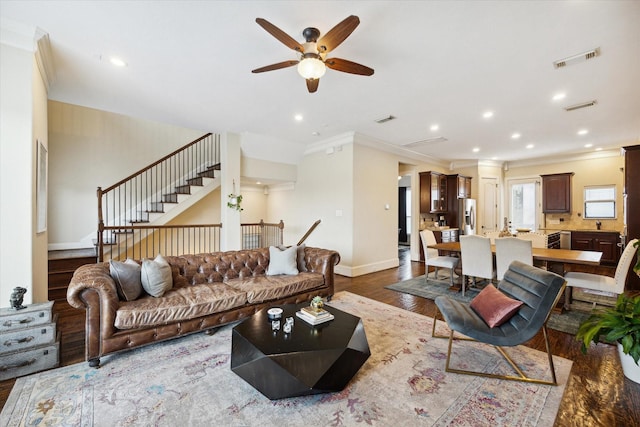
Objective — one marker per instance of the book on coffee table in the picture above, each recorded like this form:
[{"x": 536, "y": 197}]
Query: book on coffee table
[
  {"x": 315, "y": 313},
  {"x": 314, "y": 320}
]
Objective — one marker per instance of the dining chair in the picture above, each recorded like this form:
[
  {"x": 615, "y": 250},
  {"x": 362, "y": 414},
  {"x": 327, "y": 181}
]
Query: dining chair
[
  {"x": 477, "y": 259},
  {"x": 598, "y": 284},
  {"x": 538, "y": 290},
  {"x": 510, "y": 249},
  {"x": 538, "y": 240},
  {"x": 492, "y": 235},
  {"x": 432, "y": 257}
]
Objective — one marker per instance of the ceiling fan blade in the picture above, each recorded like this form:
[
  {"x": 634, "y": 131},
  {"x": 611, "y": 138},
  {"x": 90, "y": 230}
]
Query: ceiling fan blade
[
  {"x": 348, "y": 67},
  {"x": 338, "y": 34},
  {"x": 283, "y": 64},
  {"x": 312, "y": 85},
  {"x": 276, "y": 32}
]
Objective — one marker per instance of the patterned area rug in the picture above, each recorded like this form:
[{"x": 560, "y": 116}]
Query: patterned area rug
[
  {"x": 189, "y": 382},
  {"x": 568, "y": 321}
]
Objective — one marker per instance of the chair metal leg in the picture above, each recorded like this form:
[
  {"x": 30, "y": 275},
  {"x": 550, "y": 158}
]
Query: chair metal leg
[{"x": 522, "y": 376}]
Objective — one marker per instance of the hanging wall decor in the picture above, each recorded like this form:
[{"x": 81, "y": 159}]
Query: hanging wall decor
[{"x": 234, "y": 199}]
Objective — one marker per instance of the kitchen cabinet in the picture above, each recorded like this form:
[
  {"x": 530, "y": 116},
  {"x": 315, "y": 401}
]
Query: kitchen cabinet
[
  {"x": 601, "y": 241},
  {"x": 433, "y": 192},
  {"x": 556, "y": 193},
  {"x": 458, "y": 187},
  {"x": 632, "y": 208}
]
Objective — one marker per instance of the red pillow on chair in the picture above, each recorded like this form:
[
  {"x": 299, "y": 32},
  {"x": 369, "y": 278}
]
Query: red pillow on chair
[{"x": 494, "y": 307}]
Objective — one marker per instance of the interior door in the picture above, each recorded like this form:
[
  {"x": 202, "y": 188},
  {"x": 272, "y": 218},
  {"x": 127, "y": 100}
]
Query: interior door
[{"x": 489, "y": 204}]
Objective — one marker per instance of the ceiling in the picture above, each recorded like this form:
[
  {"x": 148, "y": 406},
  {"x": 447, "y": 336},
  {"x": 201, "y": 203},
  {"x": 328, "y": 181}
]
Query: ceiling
[{"x": 436, "y": 62}]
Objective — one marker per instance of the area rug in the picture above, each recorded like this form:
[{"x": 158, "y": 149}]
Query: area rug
[
  {"x": 568, "y": 321},
  {"x": 188, "y": 382}
]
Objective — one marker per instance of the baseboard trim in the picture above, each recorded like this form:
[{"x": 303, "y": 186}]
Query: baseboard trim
[{"x": 360, "y": 270}]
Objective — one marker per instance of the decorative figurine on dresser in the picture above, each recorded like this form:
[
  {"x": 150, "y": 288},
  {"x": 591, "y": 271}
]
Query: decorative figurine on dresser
[{"x": 29, "y": 341}]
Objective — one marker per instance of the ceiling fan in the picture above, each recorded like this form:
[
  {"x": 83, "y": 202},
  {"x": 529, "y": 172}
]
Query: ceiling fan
[{"x": 313, "y": 61}]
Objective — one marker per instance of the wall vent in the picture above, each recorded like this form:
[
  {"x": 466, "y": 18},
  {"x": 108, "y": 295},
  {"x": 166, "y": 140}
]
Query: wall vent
[
  {"x": 582, "y": 105},
  {"x": 584, "y": 56},
  {"x": 385, "y": 119},
  {"x": 426, "y": 142}
]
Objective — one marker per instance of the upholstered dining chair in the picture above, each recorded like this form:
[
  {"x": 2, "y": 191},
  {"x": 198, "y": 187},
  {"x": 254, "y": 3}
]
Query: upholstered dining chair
[
  {"x": 538, "y": 290},
  {"x": 601, "y": 285},
  {"x": 477, "y": 259},
  {"x": 510, "y": 249},
  {"x": 433, "y": 259},
  {"x": 492, "y": 235},
  {"x": 538, "y": 240}
]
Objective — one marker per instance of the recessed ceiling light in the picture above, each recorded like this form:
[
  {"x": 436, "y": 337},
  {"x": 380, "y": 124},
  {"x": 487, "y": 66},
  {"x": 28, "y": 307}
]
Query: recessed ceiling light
[
  {"x": 117, "y": 62},
  {"x": 494, "y": 158},
  {"x": 258, "y": 182},
  {"x": 588, "y": 145},
  {"x": 583, "y": 132},
  {"x": 559, "y": 96},
  {"x": 487, "y": 114},
  {"x": 530, "y": 146},
  {"x": 434, "y": 127},
  {"x": 599, "y": 149},
  {"x": 298, "y": 117},
  {"x": 476, "y": 149},
  {"x": 515, "y": 135},
  {"x": 315, "y": 133}
]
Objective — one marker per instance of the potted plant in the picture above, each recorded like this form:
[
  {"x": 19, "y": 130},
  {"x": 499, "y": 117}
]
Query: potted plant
[{"x": 619, "y": 324}]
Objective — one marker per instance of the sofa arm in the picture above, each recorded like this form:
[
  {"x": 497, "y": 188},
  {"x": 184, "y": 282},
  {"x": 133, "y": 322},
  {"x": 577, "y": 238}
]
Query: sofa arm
[
  {"x": 322, "y": 261},
  {"x": 92, "y": 288}
]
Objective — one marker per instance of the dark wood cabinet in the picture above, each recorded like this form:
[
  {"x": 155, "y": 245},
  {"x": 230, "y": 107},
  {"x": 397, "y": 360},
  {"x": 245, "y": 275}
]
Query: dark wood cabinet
[
  {"x": 556, "y": 193},
  {"x": 459, "y": 186},
  {"x": 433, "y": 192},
  {"x": 632, "y": 211},
  {"x": 601, "y": 241}
]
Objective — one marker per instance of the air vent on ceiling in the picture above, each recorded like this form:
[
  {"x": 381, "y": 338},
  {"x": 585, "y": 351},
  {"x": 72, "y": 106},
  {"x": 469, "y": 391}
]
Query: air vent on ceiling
[
  {"x": 426, "y": 142},
  {"x": 582, "y": 105},
  {"x": 584, "y": 56},
  {"x": 385, "y": 119}
]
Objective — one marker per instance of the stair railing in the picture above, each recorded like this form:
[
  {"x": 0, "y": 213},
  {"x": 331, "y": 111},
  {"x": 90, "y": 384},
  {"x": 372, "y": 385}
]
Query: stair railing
[
  {"x": 261, "y": 234},
  {"x": 129, "y": 202}
]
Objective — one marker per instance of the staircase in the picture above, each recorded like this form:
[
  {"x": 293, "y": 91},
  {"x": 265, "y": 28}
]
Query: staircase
[{"x": 133, "y": 213}]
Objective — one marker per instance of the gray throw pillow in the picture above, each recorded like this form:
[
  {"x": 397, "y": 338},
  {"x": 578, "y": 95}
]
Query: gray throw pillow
[
  {"x": 156, "y": 276},
  {"x": 282, "y": 262},
  {"x": 302, "y": 264},
  {"x": 127, "y": 277}
]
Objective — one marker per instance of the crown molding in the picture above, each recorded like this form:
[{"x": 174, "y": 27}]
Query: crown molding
[
  {"x": 44, "y": 58},
  {"x": 566, "y": 158}
]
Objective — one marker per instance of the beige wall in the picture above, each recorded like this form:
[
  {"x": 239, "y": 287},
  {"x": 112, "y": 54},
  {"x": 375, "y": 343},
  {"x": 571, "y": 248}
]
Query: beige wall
[
  {"x": 90, "y": 148},
  {"x": 587, "y": 171}
]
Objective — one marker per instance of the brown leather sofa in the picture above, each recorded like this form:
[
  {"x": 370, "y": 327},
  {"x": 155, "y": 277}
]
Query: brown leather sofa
[{"x": 209, "y": 290}]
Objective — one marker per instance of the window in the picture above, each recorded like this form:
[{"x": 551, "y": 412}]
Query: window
[{"x": 600, "y": 202}]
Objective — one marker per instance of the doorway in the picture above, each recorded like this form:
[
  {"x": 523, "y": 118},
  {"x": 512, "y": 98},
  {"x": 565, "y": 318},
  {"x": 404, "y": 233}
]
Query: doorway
[
  {"x": 523, "y": 203},
  {"x": 489, "y": 203},
  {"x": 404, "y": 210}
]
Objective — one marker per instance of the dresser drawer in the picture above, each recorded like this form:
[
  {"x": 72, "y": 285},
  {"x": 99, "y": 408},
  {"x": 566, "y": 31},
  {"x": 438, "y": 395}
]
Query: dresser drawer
[
  {"x": 19, "y": 363},
  {"x": 32, "y": 315},
  {"x": 20, "y": 339}
]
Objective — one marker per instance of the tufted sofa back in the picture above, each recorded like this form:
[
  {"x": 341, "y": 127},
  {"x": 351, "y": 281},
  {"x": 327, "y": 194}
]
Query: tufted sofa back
[{"x": 218, "y": 266}]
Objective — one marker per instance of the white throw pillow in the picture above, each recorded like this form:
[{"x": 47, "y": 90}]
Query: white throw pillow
[
  {"x": 302, "y": 264},
  {"x": 282, "y": 262},
  {"x": 156, "y": 276}
]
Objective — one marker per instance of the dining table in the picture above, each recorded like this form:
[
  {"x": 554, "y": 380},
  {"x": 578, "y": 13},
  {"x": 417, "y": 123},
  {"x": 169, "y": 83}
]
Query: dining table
[{"x": 564, "y": 256}]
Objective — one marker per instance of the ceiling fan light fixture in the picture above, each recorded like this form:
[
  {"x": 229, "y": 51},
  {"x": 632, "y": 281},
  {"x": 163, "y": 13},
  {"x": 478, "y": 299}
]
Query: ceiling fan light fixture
[{"x": 311, "y": 68}]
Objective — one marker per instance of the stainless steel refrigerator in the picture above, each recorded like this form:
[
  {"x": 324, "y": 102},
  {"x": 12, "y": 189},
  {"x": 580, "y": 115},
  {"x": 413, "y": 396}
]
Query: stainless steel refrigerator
[{"x": 467, "y": 216}]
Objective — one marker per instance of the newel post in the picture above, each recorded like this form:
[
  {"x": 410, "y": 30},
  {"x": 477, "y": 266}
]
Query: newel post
[{"x": 100, "y": 242}]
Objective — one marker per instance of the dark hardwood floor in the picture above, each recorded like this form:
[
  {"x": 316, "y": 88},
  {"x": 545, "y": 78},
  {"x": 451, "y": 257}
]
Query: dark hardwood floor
[{"x": 597, "y": 393}]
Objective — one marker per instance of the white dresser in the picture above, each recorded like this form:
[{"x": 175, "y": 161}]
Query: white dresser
[{"x": 29, "y": 341}]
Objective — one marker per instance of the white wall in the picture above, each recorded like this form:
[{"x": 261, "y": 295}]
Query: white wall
[{"x": 23, "y": 256}]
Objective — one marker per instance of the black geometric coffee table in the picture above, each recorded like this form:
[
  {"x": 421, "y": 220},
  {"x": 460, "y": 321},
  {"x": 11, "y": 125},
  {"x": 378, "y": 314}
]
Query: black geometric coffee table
[{"x": 309, "y": 360}]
